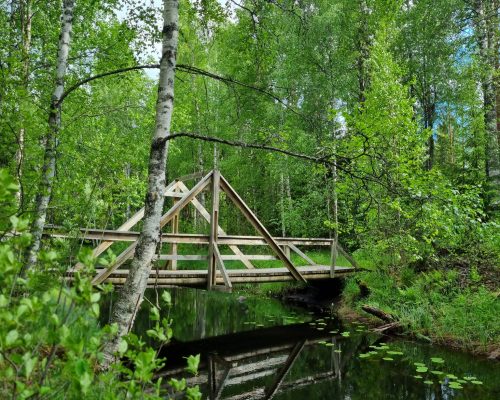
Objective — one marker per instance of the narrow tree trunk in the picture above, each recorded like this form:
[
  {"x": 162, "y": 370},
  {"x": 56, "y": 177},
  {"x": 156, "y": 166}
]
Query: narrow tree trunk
[
  {"x": 25, "y": 15},
  {"x": 486, "y": 31},
  {"x": 282, "y": 205},
  {"x": 131, "y": 296},
  {"x": 49, "y": 162}
]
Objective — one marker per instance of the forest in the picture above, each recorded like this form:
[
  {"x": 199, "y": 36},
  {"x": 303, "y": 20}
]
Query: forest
[{"x": 372, "y": 122}]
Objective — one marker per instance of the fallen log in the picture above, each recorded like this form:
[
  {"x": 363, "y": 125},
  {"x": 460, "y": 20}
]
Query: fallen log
[
  {"x": 377, "y": 312},
  {"x": 392, "y": 323},
  {"x": 392, "y": 326}
]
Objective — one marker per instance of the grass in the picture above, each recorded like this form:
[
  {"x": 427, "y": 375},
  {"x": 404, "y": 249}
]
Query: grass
[
  {"x": 432, "y": 305},
  {"x": 318, "y": 256}
]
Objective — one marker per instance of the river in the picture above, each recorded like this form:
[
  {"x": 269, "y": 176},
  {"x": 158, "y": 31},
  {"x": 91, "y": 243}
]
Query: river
[{"x": 255, "y": 347}]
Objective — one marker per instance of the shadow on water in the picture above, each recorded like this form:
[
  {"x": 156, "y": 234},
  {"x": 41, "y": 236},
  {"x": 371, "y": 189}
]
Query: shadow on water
[{"x": 259, "y": 348}]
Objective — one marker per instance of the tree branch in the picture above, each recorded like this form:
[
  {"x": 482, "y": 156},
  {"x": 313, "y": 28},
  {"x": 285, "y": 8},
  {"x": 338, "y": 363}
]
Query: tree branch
[
  {"x": 180, "y": 67},
  {"x": 328, "y": 160}
]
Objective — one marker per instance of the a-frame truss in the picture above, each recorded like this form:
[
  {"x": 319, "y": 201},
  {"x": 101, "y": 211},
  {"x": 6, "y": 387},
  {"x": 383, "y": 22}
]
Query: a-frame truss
[{"x": 182, "y": 197}]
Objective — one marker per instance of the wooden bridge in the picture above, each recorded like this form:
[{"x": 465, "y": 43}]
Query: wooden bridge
[{"x": 216, "y": 276}]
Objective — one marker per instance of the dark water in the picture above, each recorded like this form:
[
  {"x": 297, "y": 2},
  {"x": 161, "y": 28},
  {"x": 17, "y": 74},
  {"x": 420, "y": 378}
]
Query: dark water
[{"x": 258, "y": 348}]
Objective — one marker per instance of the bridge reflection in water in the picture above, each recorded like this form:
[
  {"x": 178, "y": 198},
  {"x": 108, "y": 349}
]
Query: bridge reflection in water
[{"x": 258, "y": 364}]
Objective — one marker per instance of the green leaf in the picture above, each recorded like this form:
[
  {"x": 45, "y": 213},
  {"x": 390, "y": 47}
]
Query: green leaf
[
  {"x": 455, "y": 385},
  {"x": 122, "y": 347},
  {"x": 178, "y": 385},
  {"x": 166, "y": 297},
  {"x": 192, "y": 364},
  {"x": 95, "y": 297},
  {"x": 193, "y": 393},
  {"x": 11, "y": 337}
]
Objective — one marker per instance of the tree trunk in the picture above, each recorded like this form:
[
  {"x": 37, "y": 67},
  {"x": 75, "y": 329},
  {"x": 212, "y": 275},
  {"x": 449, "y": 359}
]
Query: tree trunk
[
  {"x": 131, "y": 296},
  {"x": 486, "y": 31},
  {"x": 49, "y": 163},
  {"x": 25, "y": 16}
]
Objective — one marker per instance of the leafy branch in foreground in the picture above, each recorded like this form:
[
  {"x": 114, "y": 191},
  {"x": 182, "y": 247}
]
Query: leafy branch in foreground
[{"x": 51, "y": 340}]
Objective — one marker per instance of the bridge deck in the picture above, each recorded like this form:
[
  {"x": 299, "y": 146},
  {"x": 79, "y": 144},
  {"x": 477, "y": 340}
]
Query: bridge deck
[{"x": 259, "y": 275}]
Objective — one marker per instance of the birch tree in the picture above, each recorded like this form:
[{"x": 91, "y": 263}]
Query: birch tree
[
  {"x": 49, "y": 163},
  {"x": 132, "y": 294},
  {"x": 486, "y": 26}
]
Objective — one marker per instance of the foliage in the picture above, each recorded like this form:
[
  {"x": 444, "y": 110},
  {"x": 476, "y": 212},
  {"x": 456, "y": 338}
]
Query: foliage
[
  {"x": 51, "y": 338},
  {"x": 432, "y": 304}
]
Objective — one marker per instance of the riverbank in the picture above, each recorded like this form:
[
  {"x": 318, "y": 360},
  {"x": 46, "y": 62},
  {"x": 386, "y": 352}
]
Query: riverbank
[{"x": 430, "y": 306}]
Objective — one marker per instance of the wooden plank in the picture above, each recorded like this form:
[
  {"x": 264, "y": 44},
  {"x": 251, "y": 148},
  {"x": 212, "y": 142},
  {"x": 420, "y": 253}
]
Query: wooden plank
[
  {"x": 183, "y": 257},
  {"x": 189, "y": 238},
  {"x": 204, "y": 213},
  {"x": 167, "y": 217},
  {"x": 261, "y": 257},
  {"x": 103, "y": 246},
  {"x": 301, "y": 254},
  {"x": 198, "y": 278},
  {"x": 222, "y": 268},
  {"x": 173, "y": 194},
  {"x": 224, "y": 257},
  {"x": 231, "y": 193},
  {"x": 214, "y": 232},
  {"x": 175, "y": 230},
  {"x": 347, "y": 256}
]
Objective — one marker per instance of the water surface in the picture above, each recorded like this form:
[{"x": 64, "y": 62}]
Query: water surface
[{"x": 259, "y": 348}]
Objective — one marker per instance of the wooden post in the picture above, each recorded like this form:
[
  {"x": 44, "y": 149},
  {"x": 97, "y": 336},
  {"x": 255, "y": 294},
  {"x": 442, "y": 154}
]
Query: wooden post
[
  {"x": 333, "y": 258},
  {"x": 286, "y": 250},
  {"x": 219, "y": 262},
  {"x": 175, "y": 229},
  {"x": 214, "y": 232},
  {"x": 205, "y": 214}
]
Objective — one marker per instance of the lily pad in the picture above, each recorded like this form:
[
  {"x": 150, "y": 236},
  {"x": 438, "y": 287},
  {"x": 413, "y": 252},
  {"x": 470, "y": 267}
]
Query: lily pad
[
  {"x": 345, "y": 334},
  {"x": 395, "y": 353},
  {"x": 419, "y": 364},
  {"x": 337, "y": 351},
  {"x": 455, "y": 385},
  {"x": 437, "y": 360},
  {"x": 364, "y": 355},
  {"x": 422, "y": 369},
  {"x": 388, "y": 359},
  {"x": 477, "y": 382},
  {"x": 428, "y": 382},
  {"x": 418, "y": 376},
  {"x": 437, "y": 372}
]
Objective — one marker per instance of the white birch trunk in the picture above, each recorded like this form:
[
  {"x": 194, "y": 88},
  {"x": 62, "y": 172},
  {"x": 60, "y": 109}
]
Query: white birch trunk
[
  {"x": 131, "y": 296},
  {"x": 26, "y": 16},
  {"x": 49, "y": 162}
]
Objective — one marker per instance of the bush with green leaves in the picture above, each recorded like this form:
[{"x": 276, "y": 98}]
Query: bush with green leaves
[{"x": 51, "y": 341}]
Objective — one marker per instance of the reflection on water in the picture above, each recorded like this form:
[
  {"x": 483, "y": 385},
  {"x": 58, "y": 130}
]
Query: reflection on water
[{"x": 258, "y": 348}]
